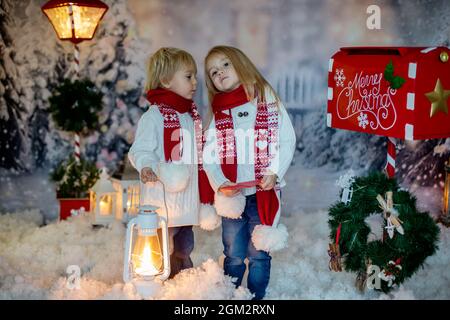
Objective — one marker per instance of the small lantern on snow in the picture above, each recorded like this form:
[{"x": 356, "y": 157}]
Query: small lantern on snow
[
  {"x": 103, "y": 198},
  {"x": 146, "y": 257},
  {"x": 126, "y": 179}
]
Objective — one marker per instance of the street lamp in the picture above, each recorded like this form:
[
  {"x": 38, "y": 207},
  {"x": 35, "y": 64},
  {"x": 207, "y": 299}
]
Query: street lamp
[{"x": 75, "y": 21}]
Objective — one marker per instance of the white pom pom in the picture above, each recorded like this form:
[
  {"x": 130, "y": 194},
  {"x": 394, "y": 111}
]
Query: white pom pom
[
  {"x": 209, "y": 220},
  {"x": 268, "y": 238},
  {"x": 175, "y": 177},
  {"x": 229, "y": 207}
]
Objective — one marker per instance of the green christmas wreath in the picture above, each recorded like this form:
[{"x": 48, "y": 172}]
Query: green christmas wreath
[{"x": 399, "y": 254}]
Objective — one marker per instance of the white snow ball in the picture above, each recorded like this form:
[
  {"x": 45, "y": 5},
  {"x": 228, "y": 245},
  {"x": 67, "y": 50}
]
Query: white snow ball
[
  {"x": 174, "y": 176},
  {"x": 229, "y": 207},
  {"x": 209, "y": 220},
  {"x": 268, "y": 238}
]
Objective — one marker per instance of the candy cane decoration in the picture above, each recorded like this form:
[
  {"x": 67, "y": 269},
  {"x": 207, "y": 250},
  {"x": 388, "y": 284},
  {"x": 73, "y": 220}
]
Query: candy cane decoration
[
  {"x": 76, "y": 54},
  {"x": 76, "y": 66},
  {"x": 391, "y": 155},
  {"x": 77, "y": 147},
  {"x": 76, "y": 60}
]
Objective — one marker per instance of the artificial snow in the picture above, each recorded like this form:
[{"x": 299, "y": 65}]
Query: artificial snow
[{"x": 41, "y": 261}]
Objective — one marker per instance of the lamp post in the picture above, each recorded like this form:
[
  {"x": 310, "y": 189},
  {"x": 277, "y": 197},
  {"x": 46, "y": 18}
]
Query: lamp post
[
  {"x": 75, "y": 21},
  {"x": 445, "y": 216}
]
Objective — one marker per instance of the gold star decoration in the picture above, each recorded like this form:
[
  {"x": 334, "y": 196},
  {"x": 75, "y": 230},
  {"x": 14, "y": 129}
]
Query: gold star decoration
[{"x": 438, "y": 98}]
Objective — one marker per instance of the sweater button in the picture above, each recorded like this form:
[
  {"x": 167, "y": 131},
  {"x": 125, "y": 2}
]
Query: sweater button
[
  {"x": 245, "y": 113},
  {"x": 240, "y": 114}
]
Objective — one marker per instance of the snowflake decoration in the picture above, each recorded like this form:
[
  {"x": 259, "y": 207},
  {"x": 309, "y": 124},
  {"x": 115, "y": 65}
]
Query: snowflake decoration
[
  {"x": 362, "y": 120},
  {"x": 339, "y": 77},
  {"x": 346, "y": 180}
]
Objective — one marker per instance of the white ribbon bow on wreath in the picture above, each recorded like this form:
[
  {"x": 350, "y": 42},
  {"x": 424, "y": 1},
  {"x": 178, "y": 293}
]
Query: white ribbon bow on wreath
[{"x": 390, "y": 214}]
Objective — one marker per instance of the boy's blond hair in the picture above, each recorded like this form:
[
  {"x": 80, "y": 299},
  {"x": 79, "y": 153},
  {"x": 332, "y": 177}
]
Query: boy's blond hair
[{"x": 163, "y": 64}]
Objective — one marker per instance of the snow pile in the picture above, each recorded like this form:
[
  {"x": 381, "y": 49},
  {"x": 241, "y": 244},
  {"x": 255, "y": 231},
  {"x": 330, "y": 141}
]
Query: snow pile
[
  {"x": 202, "y": 283},
  {"x": 34, "y": 259},
  {"x": 34, "y": 264}
]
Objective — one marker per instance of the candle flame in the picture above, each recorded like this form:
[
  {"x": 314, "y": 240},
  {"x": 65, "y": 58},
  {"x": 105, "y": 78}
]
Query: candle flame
[{"x": 146, "y": 268}]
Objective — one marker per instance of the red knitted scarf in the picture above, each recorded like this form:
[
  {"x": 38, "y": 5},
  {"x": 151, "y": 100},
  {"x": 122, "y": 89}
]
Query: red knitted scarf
[
  {"x": 266, "y": 138},
  {"x": 169, "y": 103}
]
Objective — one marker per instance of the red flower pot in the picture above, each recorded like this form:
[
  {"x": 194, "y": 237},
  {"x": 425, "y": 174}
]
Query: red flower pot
[{"x": 67, "y": 204}]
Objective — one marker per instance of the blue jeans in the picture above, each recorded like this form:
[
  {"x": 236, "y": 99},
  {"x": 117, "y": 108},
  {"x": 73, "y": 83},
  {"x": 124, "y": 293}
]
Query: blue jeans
[
  {"x": 182, "y": 239},
  {"x": 236, "y": 238}
]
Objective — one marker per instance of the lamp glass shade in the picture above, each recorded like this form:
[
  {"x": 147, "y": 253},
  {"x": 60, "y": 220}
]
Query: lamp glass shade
[
  {"x": 75, "y": 20},
  {"x": 86, "y": 20},
  {"x": 60, "y": 19}
]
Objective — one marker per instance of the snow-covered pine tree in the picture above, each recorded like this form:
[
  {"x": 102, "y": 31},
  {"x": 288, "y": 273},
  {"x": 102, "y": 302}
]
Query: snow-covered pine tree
[
  {"x": 339, "y": 149},
  {"x": 32, "y": 63},
  {"x": 13, "y": 129}
]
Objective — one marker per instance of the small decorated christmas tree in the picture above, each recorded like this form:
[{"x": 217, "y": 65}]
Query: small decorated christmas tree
[
  {"x": 74, "y": 178},
  {"x": 74, "y": 107}
]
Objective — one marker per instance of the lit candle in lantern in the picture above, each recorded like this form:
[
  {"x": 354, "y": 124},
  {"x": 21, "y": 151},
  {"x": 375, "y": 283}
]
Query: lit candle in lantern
[
  {"x": 144, "y": 256},
  {"x": 105, "y": 206},
  {"x": 146, "y": 268},
  {"x": 147, "y": 255}
]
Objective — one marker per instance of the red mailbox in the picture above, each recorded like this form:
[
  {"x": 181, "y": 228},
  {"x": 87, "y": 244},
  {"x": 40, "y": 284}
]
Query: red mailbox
[{"x": 398, "y": 92}]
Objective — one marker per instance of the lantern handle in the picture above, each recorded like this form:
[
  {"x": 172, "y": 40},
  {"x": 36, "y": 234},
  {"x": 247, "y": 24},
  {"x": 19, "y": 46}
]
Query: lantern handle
[
  {"x": 165, "y": 238},
  {"x": 166, "y": 211}
]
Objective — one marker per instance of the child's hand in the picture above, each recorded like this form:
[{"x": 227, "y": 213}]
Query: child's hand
[
  {"x": 228, "y": 192},
  {"x": 147, "y": 175},
  {"x": 268, "y": 182}
]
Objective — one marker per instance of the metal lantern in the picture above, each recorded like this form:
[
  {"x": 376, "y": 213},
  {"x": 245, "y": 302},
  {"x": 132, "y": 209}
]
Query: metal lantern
[
  {"x": 75, "y": 20},
  {"x": 126, "y": 179},
  {"x": 103, "y": 199},
  {"x": 146, "y": 257}
]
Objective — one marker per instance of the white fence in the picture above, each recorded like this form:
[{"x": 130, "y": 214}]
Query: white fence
[{"x": 302, "y": 89}]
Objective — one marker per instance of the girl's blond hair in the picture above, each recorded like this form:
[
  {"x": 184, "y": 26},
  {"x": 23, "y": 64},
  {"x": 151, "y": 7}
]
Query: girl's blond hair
[
  {"x": 163, "y": 64},
  {"x": 252, "y": 80}
]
